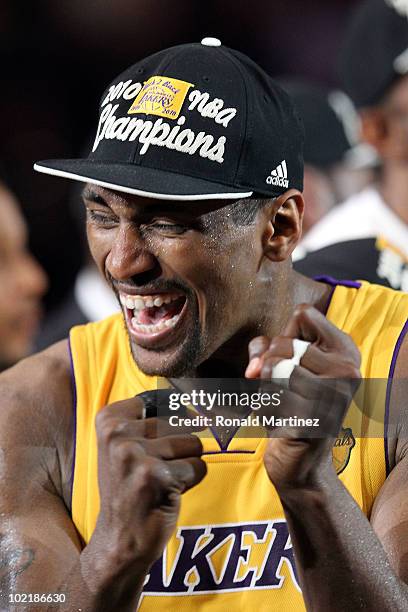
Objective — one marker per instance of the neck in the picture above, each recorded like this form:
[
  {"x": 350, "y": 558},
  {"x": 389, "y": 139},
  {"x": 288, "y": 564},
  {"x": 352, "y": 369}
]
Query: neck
[
  {"x": 394, "y": 188},
  {"x": 232, "y": 357}
]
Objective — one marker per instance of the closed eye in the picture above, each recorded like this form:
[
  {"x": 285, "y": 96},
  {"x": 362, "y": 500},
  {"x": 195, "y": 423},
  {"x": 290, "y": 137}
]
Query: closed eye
[
  {"x": 100, "y": 217},
  {"x": 166, "y": 227}
]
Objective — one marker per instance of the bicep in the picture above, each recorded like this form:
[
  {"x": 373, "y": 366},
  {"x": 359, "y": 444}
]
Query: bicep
[{"x": 389, "y": 518}]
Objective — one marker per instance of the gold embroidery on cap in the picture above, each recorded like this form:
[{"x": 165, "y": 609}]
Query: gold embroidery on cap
[{"x": 160, "y": 95}]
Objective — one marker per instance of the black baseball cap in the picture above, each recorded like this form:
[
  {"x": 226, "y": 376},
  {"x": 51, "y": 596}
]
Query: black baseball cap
[
  {"x": 375, "y": 50},
  {"x": 193, "y": 122}
]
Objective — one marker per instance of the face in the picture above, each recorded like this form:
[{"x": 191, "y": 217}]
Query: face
[
  {"x": 395, "y": 108},
  {"x": 385, "y": 126},
  {"x": 182, "y": 271},
  {"x": 22, "y": 281},
  {"x": 319, "y": 196}
]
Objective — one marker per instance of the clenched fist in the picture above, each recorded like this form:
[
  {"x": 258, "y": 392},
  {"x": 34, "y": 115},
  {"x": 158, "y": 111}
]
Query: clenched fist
[
  {"x": 143, "y": 470},
  {"x": 321, "y": 386}
]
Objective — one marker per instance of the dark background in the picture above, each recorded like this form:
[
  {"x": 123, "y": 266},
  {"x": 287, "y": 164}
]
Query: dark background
[{"x": 58, "y": 56}]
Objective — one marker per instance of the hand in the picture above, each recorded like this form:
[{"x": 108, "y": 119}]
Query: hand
[
  {"x": 294, "y": 461},
  {"x": 143, "y": 470}
]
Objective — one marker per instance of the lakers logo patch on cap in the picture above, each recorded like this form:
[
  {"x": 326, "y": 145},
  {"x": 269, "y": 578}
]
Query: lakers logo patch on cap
[
  {"x": 342, "y": 448},
  {"x": 160, "y": 95}
]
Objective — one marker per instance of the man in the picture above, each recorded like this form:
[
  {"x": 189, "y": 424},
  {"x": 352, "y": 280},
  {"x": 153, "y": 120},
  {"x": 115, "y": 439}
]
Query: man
[
  {"x": 367, "y": 236},
  {"x": 23, "y": 284},
  {"x": 194, "y": 205},
  {"x": 336, "y": 164}
]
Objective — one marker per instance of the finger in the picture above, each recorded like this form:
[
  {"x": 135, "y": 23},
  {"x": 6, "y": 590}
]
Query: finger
[
  {"x": 161, "y": 428},
  {"x": 187, "y": 473},
  {"x": 112, "y": 425},
  {"x": 326, "y": 399},
  {"x": 131, "y": 408},
  {"x": 330, "y": 364},
  {"x": 280, "y": 347},
  {"x": 158, "y": 483},
  {"x": 256, "y": 348},
  {"x": 174, "y": 447},
  {"x": 310, "y": 324},
  {"x": 268, "y": 363}
]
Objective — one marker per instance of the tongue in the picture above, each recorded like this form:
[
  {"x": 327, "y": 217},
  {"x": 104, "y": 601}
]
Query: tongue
[{"x": 153, "y": 315}]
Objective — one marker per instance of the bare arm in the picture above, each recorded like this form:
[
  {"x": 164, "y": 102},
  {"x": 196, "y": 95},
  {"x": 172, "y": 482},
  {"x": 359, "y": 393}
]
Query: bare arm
[
  {"x": 141, "y": 479},
  {"x": 344, "y": 563},
  {"x": 39, "y": 543}
]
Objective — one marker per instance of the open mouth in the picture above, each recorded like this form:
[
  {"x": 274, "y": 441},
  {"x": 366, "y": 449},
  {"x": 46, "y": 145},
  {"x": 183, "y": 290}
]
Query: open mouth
[{"x": 152, "y": 316}]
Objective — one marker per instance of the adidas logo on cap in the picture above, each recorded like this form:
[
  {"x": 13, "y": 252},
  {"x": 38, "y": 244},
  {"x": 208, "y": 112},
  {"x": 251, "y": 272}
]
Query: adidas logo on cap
[{"x": 279, "y": 176}]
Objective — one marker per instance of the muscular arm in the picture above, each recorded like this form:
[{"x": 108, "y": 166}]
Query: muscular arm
[
  {"x": 342, "y": 564},
  {"x": 345, "y": 563},
  {"x": 39, "y": 545},
  {"x": 142, "y": 472}
]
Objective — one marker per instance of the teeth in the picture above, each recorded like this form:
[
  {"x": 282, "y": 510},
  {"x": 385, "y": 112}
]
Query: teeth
[
  {"x": 155, "y": 328},
  {"x": 139, "y": 304}
]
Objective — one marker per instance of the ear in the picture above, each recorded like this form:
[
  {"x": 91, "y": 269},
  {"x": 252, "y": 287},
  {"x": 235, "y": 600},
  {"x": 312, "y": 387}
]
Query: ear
[
  {"x": 375, "y": 129},
  {"x": 283, "y": 228}
]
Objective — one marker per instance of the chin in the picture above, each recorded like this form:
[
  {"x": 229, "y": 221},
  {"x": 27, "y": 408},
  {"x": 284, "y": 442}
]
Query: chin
[{"x": 178, "y": 362}]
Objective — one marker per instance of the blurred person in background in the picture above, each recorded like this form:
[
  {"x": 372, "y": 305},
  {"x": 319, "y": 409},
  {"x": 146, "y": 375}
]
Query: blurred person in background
[
  {"x": 367, "y": 236},
  {"x": 336, "y": 163},
  {"x": 89, "y": 298},
  {"x": 23, "y": 284}
]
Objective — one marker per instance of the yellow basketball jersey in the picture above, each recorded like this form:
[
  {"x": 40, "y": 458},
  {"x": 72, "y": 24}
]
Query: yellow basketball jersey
[{"x": 231, "y": 549}]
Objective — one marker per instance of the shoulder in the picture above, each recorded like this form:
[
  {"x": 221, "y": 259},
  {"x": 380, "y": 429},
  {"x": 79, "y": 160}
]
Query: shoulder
[
  {"x": 347, "y": 221},
  {"x": 397, "y": 426},
  {"x": 36, "y": 408},
  {"x": 43, "y": 375},
  {"x": 351, "y": 259}
]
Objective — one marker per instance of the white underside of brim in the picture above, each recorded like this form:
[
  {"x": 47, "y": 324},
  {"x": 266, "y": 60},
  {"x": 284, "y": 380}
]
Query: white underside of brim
[{"x": 140, "y": 192}]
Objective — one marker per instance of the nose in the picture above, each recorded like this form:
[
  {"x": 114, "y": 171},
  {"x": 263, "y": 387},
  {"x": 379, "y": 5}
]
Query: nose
[
  {"x": 130, "y": 258},
  {"x": 31, "y": 278}
]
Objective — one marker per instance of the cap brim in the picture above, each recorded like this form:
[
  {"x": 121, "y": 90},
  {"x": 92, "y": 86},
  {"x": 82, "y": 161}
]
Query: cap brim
[{"x": 139, "y": 180}]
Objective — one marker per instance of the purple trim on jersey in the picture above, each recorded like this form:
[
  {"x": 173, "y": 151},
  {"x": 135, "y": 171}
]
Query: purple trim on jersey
[
  {"x": 325, "y": 279},
  {"x": 398, "y": 345},
  {"x": 74, "y": 398},
  {"x": 233, "y": 432},
  {"x": 334, "y": 282},
  {"x": 227, "y": 452},
  {"x": 326, "y": 310}
]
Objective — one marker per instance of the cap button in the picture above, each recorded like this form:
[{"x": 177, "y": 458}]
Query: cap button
[{"x": 211, "y": 42}]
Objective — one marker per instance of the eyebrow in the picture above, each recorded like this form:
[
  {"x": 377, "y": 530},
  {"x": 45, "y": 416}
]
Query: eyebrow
[
  {"x": 93, "y": 196},
  {"x": 160, "y": 207}
]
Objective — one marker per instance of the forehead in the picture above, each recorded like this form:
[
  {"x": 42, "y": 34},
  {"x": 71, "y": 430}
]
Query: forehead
[
  {"x": 136, "y": 203},
  {"x": 398, "y": 94},
  {"x": 12, "y": 225}
]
